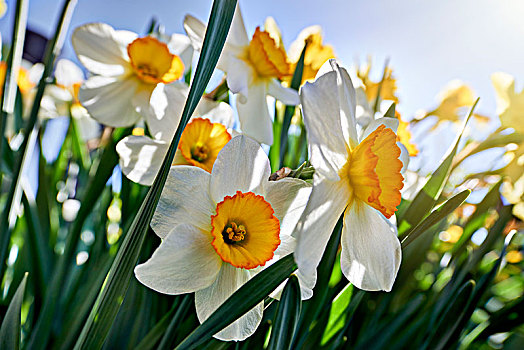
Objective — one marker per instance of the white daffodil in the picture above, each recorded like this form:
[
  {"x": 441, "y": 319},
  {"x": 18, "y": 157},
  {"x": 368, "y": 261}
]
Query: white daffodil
[
  {"x": 204, "y": 136},
  {"x": 61, "y": 99},
  {"x": 219, "y": 229},
  {"x": 358, "y": 176},
  {"x": 252, "y": 69},
  {"x": 126, "y": 70}
]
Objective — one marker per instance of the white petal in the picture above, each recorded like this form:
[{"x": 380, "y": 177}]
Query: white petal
[
  {"x": 391, "y": 123},
  {"x": 108, "y": 100},
  {"x": 237, "y": 32},
  {"x": 216, "y": 112},
  {"x": 101, "y": 49},
  {"x": 185, "y": 199},
  {"x": 184, "y": 262},
  {"x": 284, "y": 94},
  {"x": 67, "y": 73},
  {"x": 348, "y": 102},
  {"x": 242, "y": 165},
  {"x": 288, "y": 198},
  {"x": 229, "y": 280},
  {"x": 239, "y": 76},
  {"x": 167, "y": 103},
  {"x": 371, "y": 253},
  {"x": 180, "y": 45},
  {"x": 141, "y": 158},
  {"x": 326, "y": 203},
  {"x": 404, "y": 157},
  {"x": 254, "y": 117},
  {"x": 327, "y": 147}
]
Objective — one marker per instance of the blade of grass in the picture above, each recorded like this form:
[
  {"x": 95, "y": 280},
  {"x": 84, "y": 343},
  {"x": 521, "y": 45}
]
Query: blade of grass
[
  {"x": 243, "y": 300},
  {"x": 10, "y": 330},
  {"x": 287, "y": 316},
  {"x": 436, "y": 215},
  {"x": 112, "y": 293},
  {"x": 53, "y": 49},
  {"x": 14, "y": 59},
  {"x": 429, "y": 194},
  {"x": 290, "y": 110}
]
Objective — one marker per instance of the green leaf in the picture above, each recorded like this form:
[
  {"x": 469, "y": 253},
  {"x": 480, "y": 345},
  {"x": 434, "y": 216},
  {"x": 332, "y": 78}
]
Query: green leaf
[
  {"x": 450, "y": 317},
  {"x": 290, "y": 110},
  {"x": 476, "y": 220},
  {"x": 429, "y": 194},
  {"x": 112, "y": 294},
  {"x": 436, "y": 215},
  {"x": 169, "y": 336},
  {"x": 156, "y": 333},
  {"x": 100, "y": 174},
  {"x": 390, "y": 113},
  {"x": 337, "y": 314},
  {"x": 9, "y": 86},
  {"x": 10, "y": 330},
  {"x": 243, "y": 300},
  {"x": 312, "y": 307},
  {"x": 287, "y": 315},
  {"x": 52, "y": 50}
]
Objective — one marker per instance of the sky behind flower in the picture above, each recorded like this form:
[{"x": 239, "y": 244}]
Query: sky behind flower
[{"x": 429, "y": 43}]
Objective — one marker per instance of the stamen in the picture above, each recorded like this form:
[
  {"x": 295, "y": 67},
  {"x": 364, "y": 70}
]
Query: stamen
[
  {"x": 199, "y": 152},
  {"x": 234, "y": 233}
]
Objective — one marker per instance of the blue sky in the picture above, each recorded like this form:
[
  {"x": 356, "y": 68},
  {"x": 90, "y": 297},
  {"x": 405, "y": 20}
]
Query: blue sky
[{"x": 429, "y": 43}]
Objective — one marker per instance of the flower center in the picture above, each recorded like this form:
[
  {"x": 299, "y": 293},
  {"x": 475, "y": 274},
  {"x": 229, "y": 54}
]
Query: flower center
[
  {"x": 373, "y": 171},
  {"x": 152, "y": 62},
  {"x": 233, "y": 233},
  {"x": 200, "y": 143},
  {"x": 246, "y": 233},
  {"x": 199, "y": 152},
  {"x": 268, "y": 60}
]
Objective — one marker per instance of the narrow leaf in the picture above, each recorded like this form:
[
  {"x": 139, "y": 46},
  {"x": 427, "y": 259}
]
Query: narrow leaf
[
  {"x": 436, "y": 215},
  {"x": 243, "y": 300},
  {"x": 290, "y": 110},
  {"x": 287, "y": 316},
  {"x": 337, "y": 314},
  {"x": 429, "y": 194},
  {"x": 10, "y": 330}
]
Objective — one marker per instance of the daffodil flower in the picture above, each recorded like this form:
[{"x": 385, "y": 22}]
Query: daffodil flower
[
  {"x": 510, "y": 104},
  {"x": 359, "y": 177},
  {"x": 252, "y": 69},
  {"x": 205, "y": 135},
  {"x": 61, "y": 99},
  {"x": 220, "y": 229},
  {"x": 126, "y": 70}
]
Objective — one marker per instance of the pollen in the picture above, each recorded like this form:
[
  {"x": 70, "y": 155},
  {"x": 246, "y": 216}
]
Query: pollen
[
  {"x": 152, "y": 62},
  {"x": 373, "y": 171},
  {"x": 200, "y": 143},
  {"x": 245, "y": 230},
  {"x": 268, "y": 60},
  {"x": 234, "y": 233}
]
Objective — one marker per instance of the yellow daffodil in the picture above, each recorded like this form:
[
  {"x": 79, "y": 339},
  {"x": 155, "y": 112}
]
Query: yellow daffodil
[
  {"x": 316, "y": 52},
  {"x": 253, "y": 69},
  {"x": 220, "y": 229},
  {"x": 205, "y": 135},
  {"x": 404, "y": 137},
  {"x": 126, "y": 70},
  {"x": 357, "y": 176},
  {"x": 454, "y": 96},
  {"x": 388, "y": 87},
  {"x": 510, "y": 104},
  {"x": 513, "y": 188}
]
